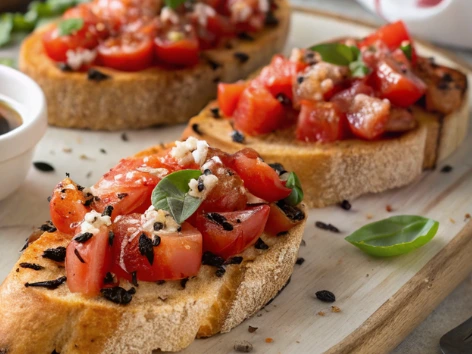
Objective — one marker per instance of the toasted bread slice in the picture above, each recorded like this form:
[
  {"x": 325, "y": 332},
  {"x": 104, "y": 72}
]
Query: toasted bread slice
[
  {"x": 149, "y": 97},
  {"x": 331, "y": 173},
  {"x": 167, "y": 316}
]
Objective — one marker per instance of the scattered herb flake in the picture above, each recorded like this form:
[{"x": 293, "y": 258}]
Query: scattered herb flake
[
  {"x": 124, "y": 137},
  {"x": 300, "y": 261},
  {"x": 241, "y": 57},
  {"x": 56, "y": 254},
  {"x": 33, "y": 266},
  {"x": 261, "y": 245},
  {"x": 447, "y": 169},
  {"x": 43, "y": 166},
  {"x": 252, "y": 329},
  {"x": 328, "y": 227},
  {"x": 243, "y": 346},
  {"x": 325, "y": 296},
  {"x": 346, "y": 205},
  {"x": 118, "y": 295},
  {"x": 48, "y": 284}
]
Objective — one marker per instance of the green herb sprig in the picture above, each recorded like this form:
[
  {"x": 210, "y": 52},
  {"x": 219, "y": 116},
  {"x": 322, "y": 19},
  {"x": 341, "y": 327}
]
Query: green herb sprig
[
  {"x": 295, "y": 185},
  {"x": 173, "y": 4},
  {"x": 70, "y": 26},
  {"x": 394, "y": 236}
]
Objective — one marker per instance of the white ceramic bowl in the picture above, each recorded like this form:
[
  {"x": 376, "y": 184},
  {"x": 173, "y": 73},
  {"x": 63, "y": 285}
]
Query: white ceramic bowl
[{"x": 17, "y": 146}]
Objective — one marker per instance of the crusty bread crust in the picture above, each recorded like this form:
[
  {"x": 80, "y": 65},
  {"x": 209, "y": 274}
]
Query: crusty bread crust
[
  {"x": 165, "y": 317},
  {"x": 149, "y": 97},
  {"x": 331, "y": 173}
]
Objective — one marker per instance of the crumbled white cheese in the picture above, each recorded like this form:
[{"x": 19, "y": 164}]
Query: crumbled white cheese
[
  {"x": 169, "y": 15},
  {"x": 93, "y": 221},
  {"x": 77, "y": 58},
  {"x": 190, "y": 150},
  {"x": 118, "y": 177},
  {"x": 130, "y": 175},
  {"x": 264, "y": 6},
  {"x": 158, "y": 172},
  {"x": 203, "y": 11},
  {"x": 208, "y": 181},
  {"x": 151, "y": 216},
  {"x": 69, "y": 186},
  {"x": 240, "y": 11}
]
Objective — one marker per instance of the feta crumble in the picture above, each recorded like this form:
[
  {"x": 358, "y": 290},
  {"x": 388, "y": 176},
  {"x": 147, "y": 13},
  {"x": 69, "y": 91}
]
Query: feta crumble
[
  {"x": 158, "y": 172},
  {"x": 77, "y": 58},
  {"x": 203, "y": 11},
  {"x": 190, "y": 150},
  {"x": 169, "y": 15},
  {"x": 208, "y": 182},
  {"x": 93, "y": 221}
]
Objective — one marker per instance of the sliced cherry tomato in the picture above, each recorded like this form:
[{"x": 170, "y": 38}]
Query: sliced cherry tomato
[
  {"x": 259, "y": 178},
  {"x": 67, "y": 206},
  {"x": 232, "y": 237},
  {"x": 178, "y": 256},
  {"x": 229, "y": 95},
  {"x": 321, "y": 121},
  {"x": 397, "y": 83},
  {"x": 392, "y": 34},
  {"x": 258, "y": 112},
  {"x": 281, "y": 221},
  {"x": 217, "y": 27},
  {"x": 368, "y": 116},
  {"x": 177, "y": 47},
  {"x": 87, "y": 263}
]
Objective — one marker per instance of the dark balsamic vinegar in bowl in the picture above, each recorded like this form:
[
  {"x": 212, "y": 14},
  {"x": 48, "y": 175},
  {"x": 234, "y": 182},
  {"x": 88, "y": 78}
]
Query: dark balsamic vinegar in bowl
[{"x": 9, "y": 118}]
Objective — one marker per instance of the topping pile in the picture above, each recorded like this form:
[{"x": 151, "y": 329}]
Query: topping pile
[
  {"x": 132, "y": 35},
  {"x": 332, "y": 91},
  {"x": 155, "y": 218}
]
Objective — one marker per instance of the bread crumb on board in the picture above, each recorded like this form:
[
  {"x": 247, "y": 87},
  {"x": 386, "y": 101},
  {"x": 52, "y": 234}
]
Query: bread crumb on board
[{"x": 335, "y": 309}]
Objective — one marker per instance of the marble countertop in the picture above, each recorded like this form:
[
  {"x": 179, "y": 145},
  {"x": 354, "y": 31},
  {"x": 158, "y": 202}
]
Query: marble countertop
[{"x": 456, "y": 308}]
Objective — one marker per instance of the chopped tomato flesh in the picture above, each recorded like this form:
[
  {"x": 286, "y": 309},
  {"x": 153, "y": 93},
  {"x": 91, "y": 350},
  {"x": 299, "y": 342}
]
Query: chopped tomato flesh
[
  {"x": 392, "y": 34},
  {"x": 229, "y": 95}
]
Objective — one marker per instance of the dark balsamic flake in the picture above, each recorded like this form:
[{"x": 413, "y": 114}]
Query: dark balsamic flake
[
  {"x": 292, "y": 212},
  {"x": 220, "y": 220},
  {"x": 54, "y": 352},
  {"x": 325, "y": 296},
  {"x": 179, "y": 228},
  {"x": 122, "y": 195},
  {"x": 207, "y": 172},
  {"x": 145, "y": 246},
  {"x": 134, "y": 278},
  {"x": 447, "y": 169},
  {"x": 103, "y": 151},
  {"x": 234, "y": 260},
  {"x": 158, "y": 226},
  {"x": 215, "y": 112},
  {"x": 277, "y": 167},
  {"x": 282, "y": 233},
  {"x": 82, "y": 238},
  {"x": 124, "y": 137},
  {"x": 67, "y": 174},
  {"x": 26, "y": 244},
  {"x": 43, "y": 166},
  {"x": 96, "y": 198},
  {"x": 300, "y": 79},
  {"x": 76, "y": 252},
  {"x": 210, "y": 259},
  {"x": 109, "y": 279},
  {"x": 213, "y": 64},
  {"x": 345, "y": 205},
  {"x": 80, "y": 188},
  {"x": 303, "y": 243},
  {"x": 328, "y": 227},
  {"x": 64, "y": 67},
  {"x": 95, "y": 75},
  {"x": 48, "y": 284},
  {"x": 447, "y": 77},
  {"x": 88, "y": 202},
  {"x": 241, "y": 57},
  {"x": 196, "y": 129},
  {"x": 252, "y": 329},
  {"x": 271, "y": 20},
  {"x": 238, "y": 221},
  {"x": 118, "y": 295},
  {"x": 243, "y": 347},
  {"x": 107, "y": 211},
  {"x": 284, "y": 99},
  {"x": 56, "y": 254},
  {"x": 156, "y": 240},
  {"x": 183, "y": 283},
  {"x": 220, "y": 272},
  {"x": 201, "y": 185},
  {"x": 48, "y": 227},
  {"x": 261, "y": 245},
  {"x": 300, "y": 261},
  {"x": 160, "y": 282},
  {"x": 237, "y": 136},
  {"x": 245, "y": 36},
  {"x": 31, "y": 266},
  {"x": 49, "y": 199}
]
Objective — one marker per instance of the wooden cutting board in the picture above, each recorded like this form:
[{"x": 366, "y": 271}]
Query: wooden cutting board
[{"x": 380, "y": 300}]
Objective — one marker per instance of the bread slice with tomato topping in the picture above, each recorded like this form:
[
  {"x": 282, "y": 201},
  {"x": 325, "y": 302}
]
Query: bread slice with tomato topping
[
  {"x": 344, "y": 132},
  {"x": 48, "y": 305},
  {"x": 130, "y": 84}
]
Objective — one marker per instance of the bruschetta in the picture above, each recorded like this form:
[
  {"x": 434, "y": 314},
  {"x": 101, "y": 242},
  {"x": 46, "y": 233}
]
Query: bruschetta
[
  {"x": 350, "y": 117},
  {"x": 175, "y": 243},
  {"x": 110, "y": 65}
]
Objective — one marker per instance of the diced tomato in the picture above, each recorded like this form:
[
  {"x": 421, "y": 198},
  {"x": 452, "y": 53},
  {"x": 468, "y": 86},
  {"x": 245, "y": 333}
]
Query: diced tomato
[
  {"x": 368, "y": 116},
  {"x": 279, "y": 221},
  {"x": 392, "y": 34},
  {"x": 344, "y": 98},
  {"x": 177, "y": 48},
  {"x": 400, "y": 120},
  {"x": 57, "y": 46},
  {"x": 258, "y": 112},
  {"x": 397, "y": 83},
  {"x": 67, "y": 206},
  {"x": 87, "y": 263},
  {"x": 129, "y": 52},
  {"x": 233, "y": 237},
  {"x": 278, "y": 77},
  {"x": 178, "y": 256},
  {"x": 259, "y": 178},
  {"x": 216, "y": 28},
  {"x": 321, "y": 121},
  {"x": 229, "y": 95}
]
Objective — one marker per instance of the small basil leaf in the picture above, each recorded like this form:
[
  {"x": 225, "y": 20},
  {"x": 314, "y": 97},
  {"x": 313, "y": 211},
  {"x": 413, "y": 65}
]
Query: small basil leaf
[
  {"x": 407, "y": 49},
  {"x": 23, "y": 23},
  {"x": 358, "y": 68},
  {"x": 394, "y": 236},
  {"x": 171, "y": 194},
  {"x": 334, "y": 53},
  {"x": 7, "y": 62},
  {"x": 69, "y": 26},
  {"x": 173, "y": 4},
  {"x": 6, "y": 27},
  {"x": 294, "y": 184}
]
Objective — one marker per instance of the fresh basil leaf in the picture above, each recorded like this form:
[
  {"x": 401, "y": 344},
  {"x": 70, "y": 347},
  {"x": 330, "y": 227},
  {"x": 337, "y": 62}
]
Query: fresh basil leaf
[
  {"x": 394, "y": 236},
  {"x": 6, "y": 27},
  {"x": 295, "y": 185},
  {"x": 173, "y": 4},
  {"x": 24, "y": 23},
  {"x": 334, "y": 53},
  {"x": 171, "y": 194},
  {"x": 8, "y": 62},
  {"x": 358, "y": 68},
  {"x": 69, "y": 26},
  {"x": 407, "y": 49}
]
